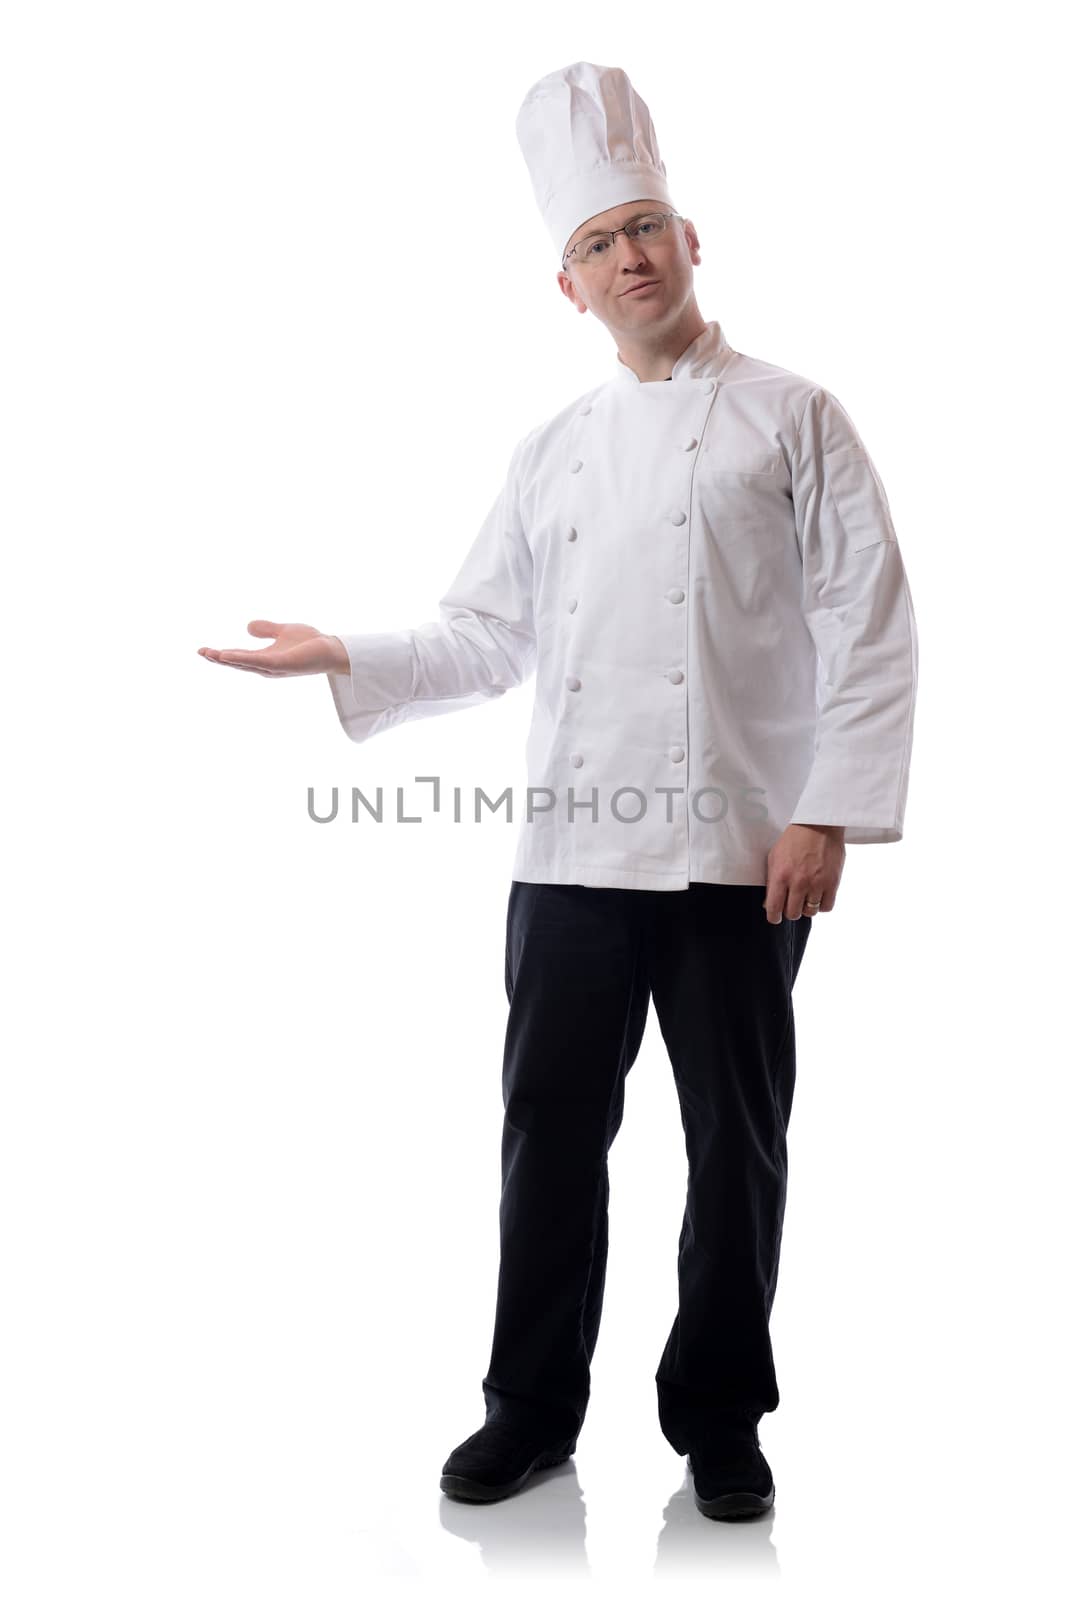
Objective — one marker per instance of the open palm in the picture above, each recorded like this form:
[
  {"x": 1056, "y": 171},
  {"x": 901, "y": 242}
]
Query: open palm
[{"x": 296, "y": 649}]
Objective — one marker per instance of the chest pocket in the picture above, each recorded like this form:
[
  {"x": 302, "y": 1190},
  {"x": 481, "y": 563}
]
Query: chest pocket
[
  {"x": 740, "y": 466},
  {"x": 745, "y": 497}
]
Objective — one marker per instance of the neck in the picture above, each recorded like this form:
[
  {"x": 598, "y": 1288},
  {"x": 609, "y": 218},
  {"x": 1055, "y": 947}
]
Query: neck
[{"x": 653, "y": 356}]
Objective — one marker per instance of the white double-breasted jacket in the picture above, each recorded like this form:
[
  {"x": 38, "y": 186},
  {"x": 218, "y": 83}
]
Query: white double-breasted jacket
[{"x": 704, "y": 575}]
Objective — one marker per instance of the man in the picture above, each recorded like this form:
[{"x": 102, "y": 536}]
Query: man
[{"x": 698, "y": 559}]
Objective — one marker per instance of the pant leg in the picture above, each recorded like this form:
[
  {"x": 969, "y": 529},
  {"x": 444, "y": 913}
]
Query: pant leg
[
  {"x": 722, "y": 980},
  {"x": 578, "y": 1000},
  {"x": 637, "y": 1012}
]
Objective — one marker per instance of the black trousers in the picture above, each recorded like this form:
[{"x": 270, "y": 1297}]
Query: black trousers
[{"x": 580, "y": 967}]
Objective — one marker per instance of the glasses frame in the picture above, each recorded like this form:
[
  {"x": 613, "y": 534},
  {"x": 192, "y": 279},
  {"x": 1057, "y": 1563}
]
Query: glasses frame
[{"x": 604, "y": 233}]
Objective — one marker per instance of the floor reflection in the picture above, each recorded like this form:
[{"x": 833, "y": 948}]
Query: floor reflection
[
  {"x": 693, "y": 1545},
  {"x": 542, "y": 1529}
]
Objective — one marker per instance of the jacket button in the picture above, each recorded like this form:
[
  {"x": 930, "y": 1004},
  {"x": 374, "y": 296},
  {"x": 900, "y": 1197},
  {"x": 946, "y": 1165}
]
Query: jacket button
[
  {"x": 573, "y": 683},
  {"x": 576, "y": 760},
  {"x": 576, "y": 466},
  {"x": 675, "y": 596},
  {"x": 572, "y": 534},
  {"x": 710, "y": 386},
  {"x": 585, "y": 410},
  {"x": 691, "y": 444},
  {"x": 677, "y": 753},
  {"x": 571, "y": 604},
  {"x": 678, "y": 518},
  {"x": 674, "y": 676}
]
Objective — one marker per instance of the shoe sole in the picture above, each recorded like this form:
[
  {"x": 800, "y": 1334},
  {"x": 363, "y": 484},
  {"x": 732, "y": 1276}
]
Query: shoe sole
[
  {"x": 458, "y": 1487},
  {"x": 733, "y": 1507}
]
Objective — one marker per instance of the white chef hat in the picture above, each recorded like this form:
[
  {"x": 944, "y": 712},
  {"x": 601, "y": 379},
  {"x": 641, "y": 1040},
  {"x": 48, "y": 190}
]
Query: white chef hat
[{"x": 589, "y": 143}]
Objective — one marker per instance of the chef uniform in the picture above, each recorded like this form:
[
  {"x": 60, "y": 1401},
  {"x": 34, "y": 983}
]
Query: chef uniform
[{"x": 703, "y": 575}]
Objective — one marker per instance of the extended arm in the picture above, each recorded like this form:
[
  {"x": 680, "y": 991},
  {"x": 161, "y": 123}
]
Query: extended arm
[{"x": 482, "y": 643}]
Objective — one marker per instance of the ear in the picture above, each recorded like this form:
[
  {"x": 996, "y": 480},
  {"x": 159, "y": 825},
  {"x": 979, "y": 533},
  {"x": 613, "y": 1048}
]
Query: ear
[{"x": 567, "y": 288}]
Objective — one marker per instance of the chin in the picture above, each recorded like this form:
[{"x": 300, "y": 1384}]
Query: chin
[{"x": 662, "y": 307}]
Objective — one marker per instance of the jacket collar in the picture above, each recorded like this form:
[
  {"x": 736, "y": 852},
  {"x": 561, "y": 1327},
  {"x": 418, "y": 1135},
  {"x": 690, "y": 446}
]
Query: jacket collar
[{"x": 706, "y": 357}]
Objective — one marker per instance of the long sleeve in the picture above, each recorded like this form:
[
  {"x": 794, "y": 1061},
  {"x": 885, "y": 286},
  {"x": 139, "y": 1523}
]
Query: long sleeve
[
  {"x": 482, "y": 644},
  {"x": 858, "y": 610}
]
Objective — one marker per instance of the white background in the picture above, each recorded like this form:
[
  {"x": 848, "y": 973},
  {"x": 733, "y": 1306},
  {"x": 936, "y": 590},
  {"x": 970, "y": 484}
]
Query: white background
[{"x": 277, "y": 303}]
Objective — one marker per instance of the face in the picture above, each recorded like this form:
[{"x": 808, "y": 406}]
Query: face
[{"x": 608, "y": 287}]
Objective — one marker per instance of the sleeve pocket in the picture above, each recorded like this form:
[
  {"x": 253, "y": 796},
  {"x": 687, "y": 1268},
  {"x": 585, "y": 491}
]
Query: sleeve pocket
[{"x": 860, "y": 497}]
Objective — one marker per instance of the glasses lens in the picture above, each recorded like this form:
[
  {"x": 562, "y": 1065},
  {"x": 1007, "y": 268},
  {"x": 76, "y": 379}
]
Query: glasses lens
[
  {"x": 647, "y": 227},
  {"x": 595, "y": 248}
]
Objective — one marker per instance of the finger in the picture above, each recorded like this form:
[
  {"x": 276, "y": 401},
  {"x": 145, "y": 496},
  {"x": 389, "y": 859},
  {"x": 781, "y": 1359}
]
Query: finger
[
  {"x": 795, "y": 901},
  {"x": 812, "y": 902},
  {"x": 232, "y": 658},
  {"x": 245, "y": 658},
  {"x": 827, "y": 901},
  {"x": 265, "y": 630},
  {"x": 242, "y": 666},
  {"x": 774, "y": 898},
  {"x": 245, "y": 665}
]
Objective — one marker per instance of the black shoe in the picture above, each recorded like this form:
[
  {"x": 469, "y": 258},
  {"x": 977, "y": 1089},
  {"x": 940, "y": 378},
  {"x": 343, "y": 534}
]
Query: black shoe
[
  {"x": 497, "y": 1460},
  {"x": 731, "y": 1478}
]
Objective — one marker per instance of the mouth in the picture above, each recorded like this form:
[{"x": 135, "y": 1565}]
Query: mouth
[{"x": 637, "y": 288}]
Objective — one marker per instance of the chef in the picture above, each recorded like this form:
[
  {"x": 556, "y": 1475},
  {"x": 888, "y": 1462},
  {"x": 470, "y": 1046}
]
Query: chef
[{"x": 696, "y": 559}]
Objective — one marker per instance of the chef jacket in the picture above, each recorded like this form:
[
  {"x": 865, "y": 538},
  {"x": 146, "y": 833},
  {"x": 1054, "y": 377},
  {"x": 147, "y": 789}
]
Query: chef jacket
[{"x": 704, "y": 576}]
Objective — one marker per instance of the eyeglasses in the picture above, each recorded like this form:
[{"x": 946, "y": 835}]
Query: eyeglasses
[{"x": 598, "y": 247}]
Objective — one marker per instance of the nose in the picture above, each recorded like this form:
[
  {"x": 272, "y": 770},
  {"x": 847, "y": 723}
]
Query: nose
[{"x": 629, "y": 250}]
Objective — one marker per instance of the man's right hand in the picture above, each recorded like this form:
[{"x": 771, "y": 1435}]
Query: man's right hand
[{"x": 296, "y": 649}]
